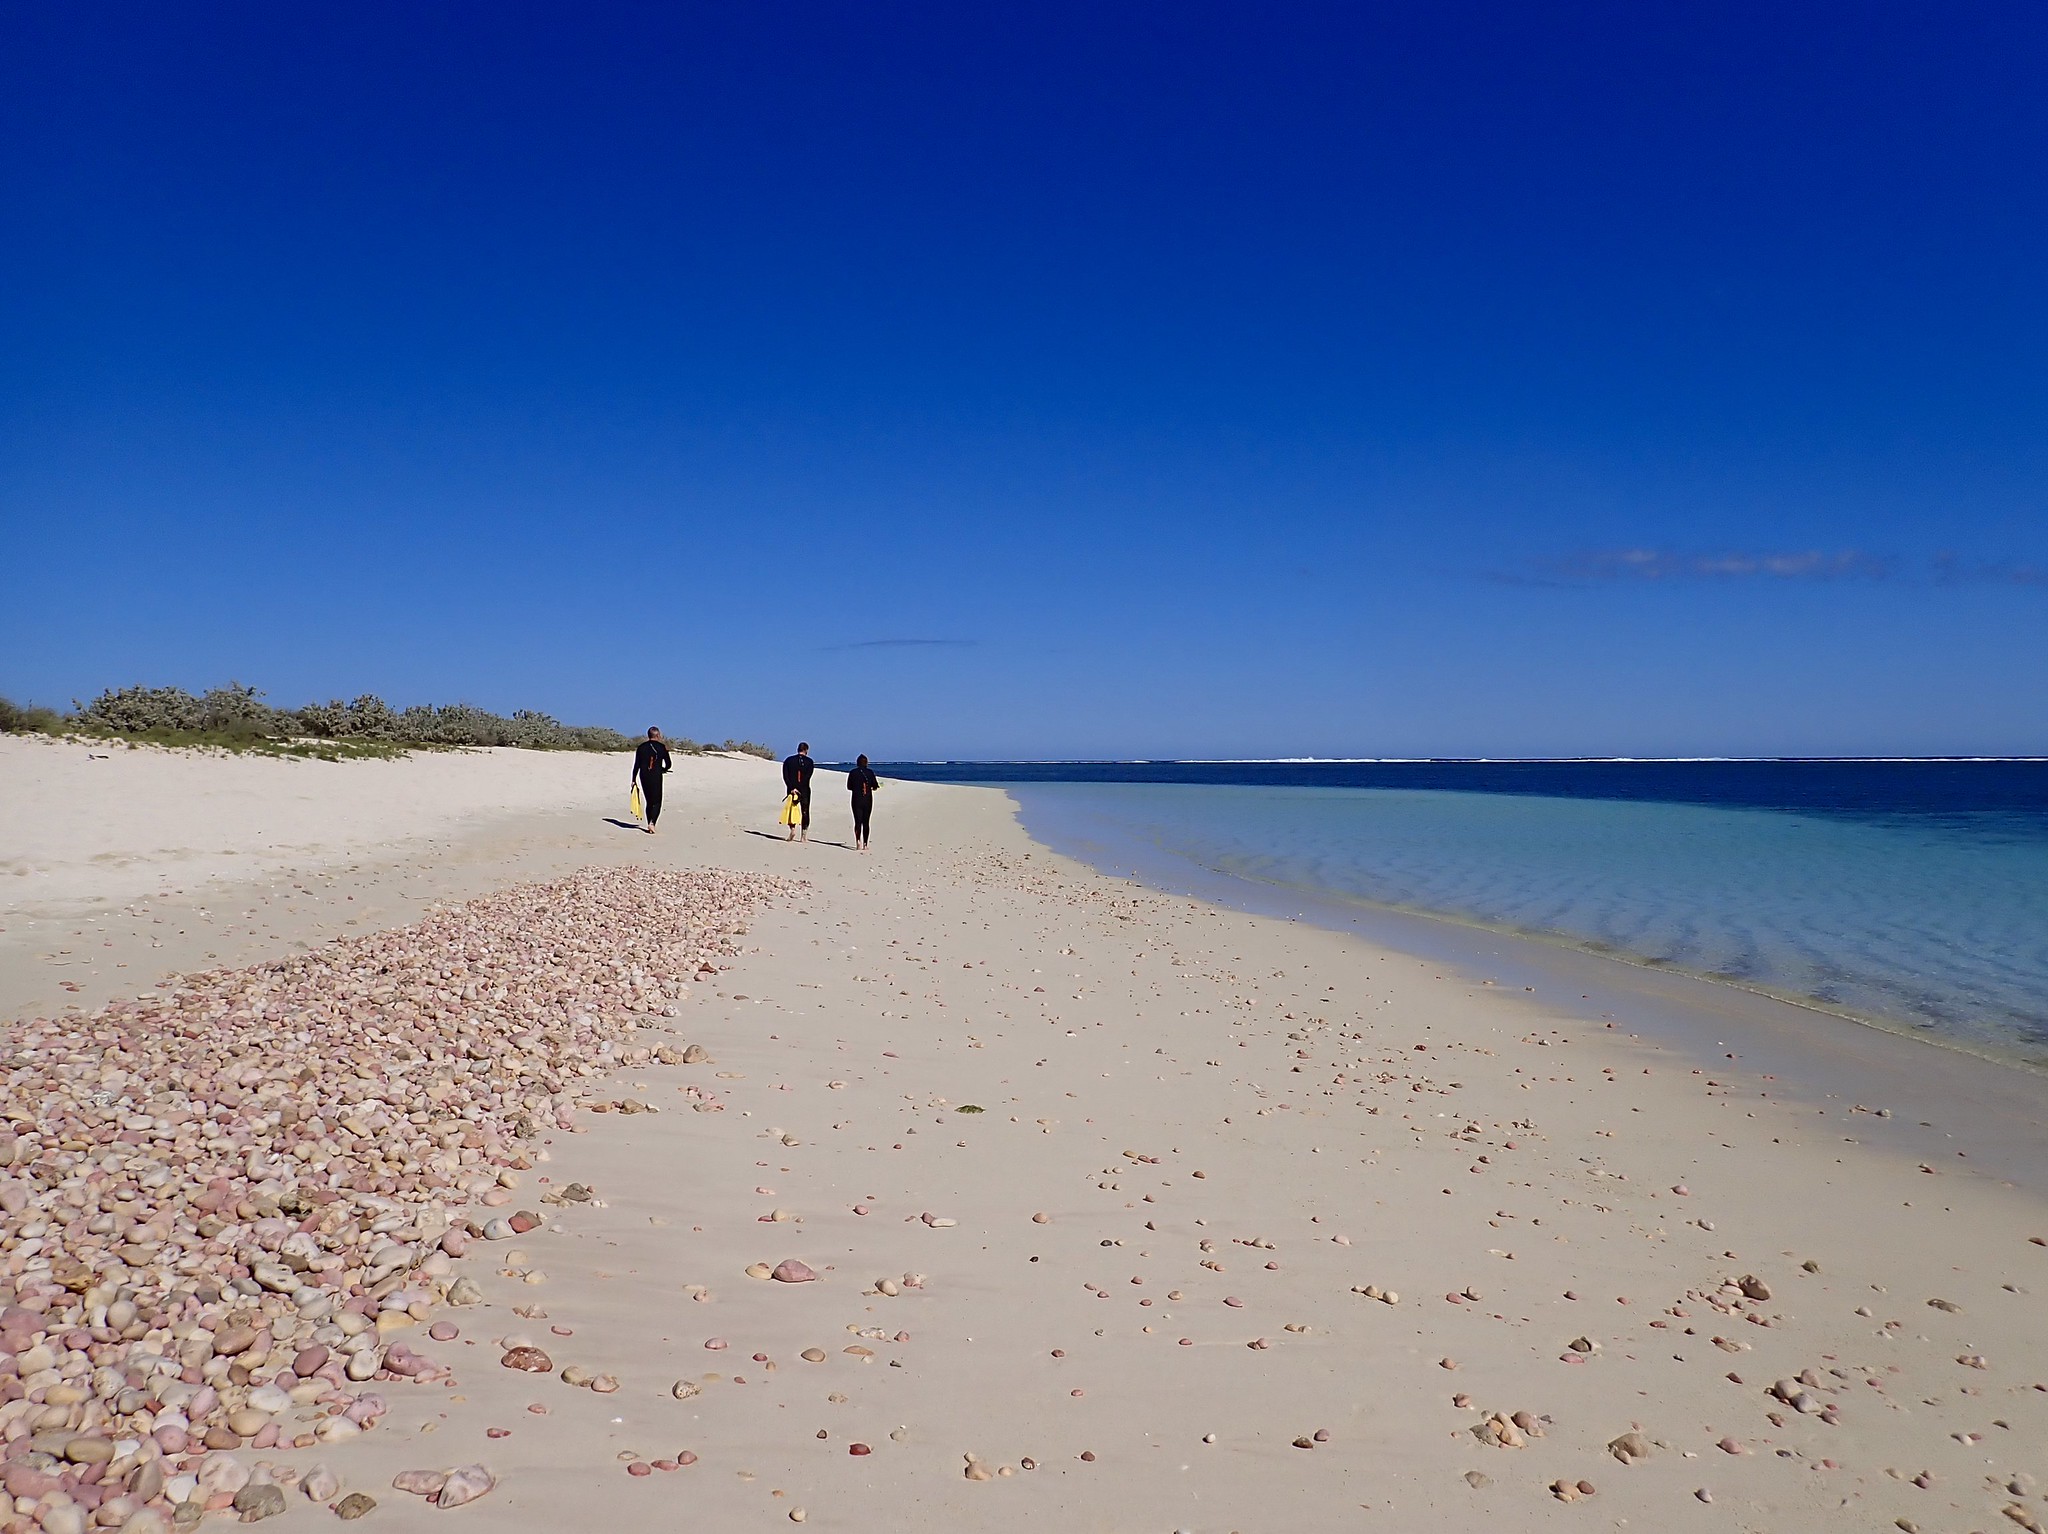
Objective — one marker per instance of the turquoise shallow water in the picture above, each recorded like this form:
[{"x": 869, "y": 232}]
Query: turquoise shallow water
[{"x": 1936, "y": 924}]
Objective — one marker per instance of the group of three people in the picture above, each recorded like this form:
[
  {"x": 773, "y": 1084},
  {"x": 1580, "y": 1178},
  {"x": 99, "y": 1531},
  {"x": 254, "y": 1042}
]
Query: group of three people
[{"x": 651, "y": 760}]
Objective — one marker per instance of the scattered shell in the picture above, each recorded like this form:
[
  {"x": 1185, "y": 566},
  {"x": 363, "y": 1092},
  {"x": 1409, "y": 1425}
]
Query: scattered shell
[
  {"x": 256, "y": 1502},
  {"x": 320, "y": 1484},
  {"x": 465, "y": 1485},
  {"x": 376, "y": 1086},
  {"x": 1629, "y": 1447}
]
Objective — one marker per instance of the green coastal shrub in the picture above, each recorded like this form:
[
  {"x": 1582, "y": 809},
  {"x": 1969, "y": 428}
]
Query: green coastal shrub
[
  {"x": 17, "y": 720},
  {"x": 236, "y": 716}
]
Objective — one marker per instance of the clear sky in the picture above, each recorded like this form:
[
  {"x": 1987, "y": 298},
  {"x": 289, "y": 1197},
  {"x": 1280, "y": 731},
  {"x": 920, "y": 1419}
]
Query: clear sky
[{"x": 1041, "y": 380}]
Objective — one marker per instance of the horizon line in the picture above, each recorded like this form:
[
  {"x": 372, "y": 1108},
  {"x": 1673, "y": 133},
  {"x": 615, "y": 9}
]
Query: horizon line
[{"x": 1419, "y": 761}]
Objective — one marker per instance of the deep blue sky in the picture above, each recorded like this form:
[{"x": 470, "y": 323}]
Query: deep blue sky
[{"x": 1042, "y": 380}]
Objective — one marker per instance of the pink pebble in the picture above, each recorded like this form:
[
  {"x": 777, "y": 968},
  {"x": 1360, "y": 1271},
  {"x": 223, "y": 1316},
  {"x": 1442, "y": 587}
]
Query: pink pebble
[
  {"x": 686, "y": 1458},
  {"x": 715, "y": 1344},
  {"x": 563, "y": 1331},
  {"x": 1233, "y": 1301},
  {"x": 760, "y": 1358},
  {"x": 497, "y": 1432},
  {"x": 769, "y": 1191},
  {"x": 639, "y": 1467},
  {"x": 860, "y": 1208},
  {"x": 444, "y": 1331}
]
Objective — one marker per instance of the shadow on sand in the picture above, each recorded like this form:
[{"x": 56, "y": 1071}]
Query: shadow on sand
[{"x": 816, "y": 841}]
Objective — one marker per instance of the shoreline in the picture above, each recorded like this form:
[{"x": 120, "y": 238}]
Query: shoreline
[
  {"x": 1984, "y": 1104},
  {"x": 1237, "y": 1128},
  {"x": 1904, "y": 904}
]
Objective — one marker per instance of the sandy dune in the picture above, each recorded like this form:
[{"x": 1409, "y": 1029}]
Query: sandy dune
[{"x": 101, "y": 823}]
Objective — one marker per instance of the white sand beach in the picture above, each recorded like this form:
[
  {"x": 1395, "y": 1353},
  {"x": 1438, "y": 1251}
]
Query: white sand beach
[{"x": 1124, "y": 1212}]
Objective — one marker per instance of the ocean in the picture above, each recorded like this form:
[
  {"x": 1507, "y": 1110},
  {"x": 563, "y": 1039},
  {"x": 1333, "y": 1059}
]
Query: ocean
[{"x": 1908, "y": 894}]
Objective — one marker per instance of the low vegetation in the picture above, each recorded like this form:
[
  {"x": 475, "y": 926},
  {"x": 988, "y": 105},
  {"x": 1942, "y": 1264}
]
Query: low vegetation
[{"x": 236, "y": 718}]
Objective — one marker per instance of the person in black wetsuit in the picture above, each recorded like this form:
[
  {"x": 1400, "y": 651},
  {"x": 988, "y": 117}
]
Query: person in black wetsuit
[
  {"x": 650, "y": 761},
  {"x": 862, "y": 783},
  {"x": 796, "y": 778}
]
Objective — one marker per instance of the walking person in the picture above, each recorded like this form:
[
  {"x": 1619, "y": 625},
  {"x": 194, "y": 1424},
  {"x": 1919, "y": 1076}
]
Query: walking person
[
  {"x": 650, "y": 762},
  {"x": 862, "y": 783},
  {"x": 796, "y": 778}
]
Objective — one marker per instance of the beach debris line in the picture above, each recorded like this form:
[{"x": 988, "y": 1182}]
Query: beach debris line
[{"x": 229, "y": 1202}]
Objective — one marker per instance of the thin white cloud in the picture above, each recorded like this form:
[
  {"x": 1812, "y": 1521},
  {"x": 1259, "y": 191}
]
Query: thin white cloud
[
  {"x": 1603, "y": 566},
  {"x": 907, "y": 644},
  {"x": 1655, "y": 566}
]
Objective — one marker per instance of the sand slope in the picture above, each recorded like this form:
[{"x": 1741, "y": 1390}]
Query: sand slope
[{"x": 105, "y": 822}]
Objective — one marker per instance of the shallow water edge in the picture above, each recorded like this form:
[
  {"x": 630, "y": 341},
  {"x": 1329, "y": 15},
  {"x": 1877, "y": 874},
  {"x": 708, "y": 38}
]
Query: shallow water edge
[{"x": 1950, "y": 1107}]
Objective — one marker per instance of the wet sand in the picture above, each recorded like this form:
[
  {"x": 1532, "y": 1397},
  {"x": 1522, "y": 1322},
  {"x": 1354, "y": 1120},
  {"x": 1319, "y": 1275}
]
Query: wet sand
[{"x": 1259, "y": 1227}]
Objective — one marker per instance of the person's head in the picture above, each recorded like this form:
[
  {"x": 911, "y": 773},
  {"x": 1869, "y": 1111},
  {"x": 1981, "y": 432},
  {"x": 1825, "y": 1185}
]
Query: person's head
[
  {"x": 803, "y": 746},
  {"x": 863, "y": 760},
  {"x": 654, "y": 732}
]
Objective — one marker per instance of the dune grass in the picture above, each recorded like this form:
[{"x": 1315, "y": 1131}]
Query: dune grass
[{"x": 236, "y": 718}]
